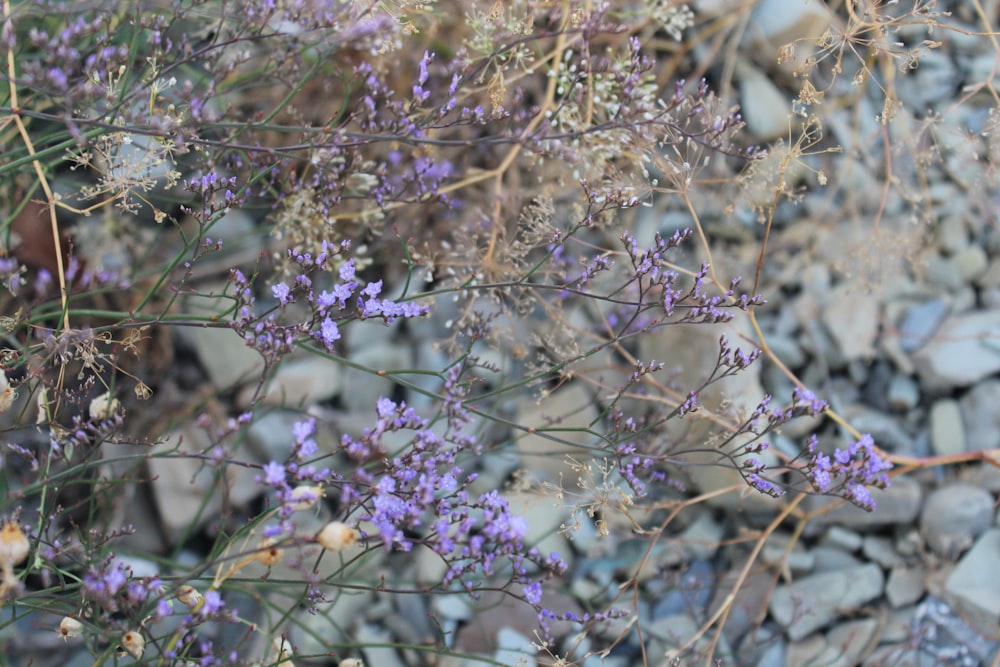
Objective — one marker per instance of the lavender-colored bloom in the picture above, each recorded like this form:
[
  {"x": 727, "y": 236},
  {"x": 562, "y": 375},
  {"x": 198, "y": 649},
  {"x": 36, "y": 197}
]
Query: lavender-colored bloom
[
  {"x": 281, "y": 292},
  {"x": 274, "y": 474},
  {"x": 212, "y": 603},
  {"x": 329, "y": 333}
]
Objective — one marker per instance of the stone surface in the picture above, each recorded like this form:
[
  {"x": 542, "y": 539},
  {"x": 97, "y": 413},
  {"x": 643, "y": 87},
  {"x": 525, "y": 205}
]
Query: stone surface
[
  {"x": 561, "y": 422},
  {"x": 974, "y": 582},
  {"x": 815, "y": 601},
  {"x": 905, "y": 586},
  {"x": 963, "y": 351},
  {"x": 899, "y": 504},
  {"x": 981, "y": 416},
  {"x": 852, "y": 319},
  {"x": 920, "y": 322},
  {"x": 947, "y": 428},
  {"x": 188, "y": 492},
  {"x": 953, "y": 516}
]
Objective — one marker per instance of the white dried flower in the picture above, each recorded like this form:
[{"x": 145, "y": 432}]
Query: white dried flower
[
  {"x": 134, "y": 643},
  {"x": 13, "y": 544},
  {"x": 189, "y": 596},
  {"x": 267, "y": 554},
  {"x": 104, "y": 406},
  {"x": 350, "y": 662},
  {"x": 305, "y": 496},
  {"x": 7, "y": 393},
  {"x": 282, "y": 651},
  {"x": 337, "y": 536},
  {"x": 69, "y": 627}
]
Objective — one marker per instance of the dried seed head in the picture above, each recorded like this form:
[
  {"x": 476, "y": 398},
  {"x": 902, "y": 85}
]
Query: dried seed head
[
  {"x": 267, "y": 553},
  {"x": 104, "y": 406},
  {"x": 7, "y": 393},
  {"x": 13, "y": 544},
  {"x": 282, "y": 651},
  {"x": 189, "y": 596},
  {"x": 69, "y": 627},
  {"x": 134, "y": 643},
  {"x": 305, "y": 496},
  {"x": 337, "y": 536}
]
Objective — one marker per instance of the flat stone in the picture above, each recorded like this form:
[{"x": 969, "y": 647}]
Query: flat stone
[
  {"x": 188, "y": 492},
  {"x": 898, "y": 504},
  {"x": 881, "y": 550},
  {"x": 815, "y": 601},
  {"x": 766, "y": 108},
  {"x": 846, "y": 643},
  {"x": 980, "y": 416},
  {"x": 947, "y": 428},
  {"x": 964, "y": 350},
  {"x": 903, "y": 394},
  {"x": 853, "y": 319},
  {"x": 300, "y": 382},
  {"x": 905, "y": 586},
  {"x": 920, "y": 322},
  {"x": 953, "y": 516},
  {"x": 975, "y": 584},
  {"x": 561, "y": 422}
]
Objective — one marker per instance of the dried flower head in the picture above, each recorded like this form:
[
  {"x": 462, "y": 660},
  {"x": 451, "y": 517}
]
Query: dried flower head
[
  {"x": 305, "y": 496},
  {"x": 267, "y": 553},
  {"x": 337, "y": 536},
  {"x": 134, "y": 643},
  {"x": 189, "y": 596},
  {"x": 7, "y": 393},
  {"x": 282, "y": 651},
  {"x": 13, "y": 544},
  {"x": 351, "y": 662},
  {"x": 69, "y": 627},
  {"x": 104, "y": 406}
]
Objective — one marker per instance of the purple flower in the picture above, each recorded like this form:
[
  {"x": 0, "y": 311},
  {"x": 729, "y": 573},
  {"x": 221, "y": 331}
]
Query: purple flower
[
  {"x": 329, "y": 333},
  {"x": 274, "y": 474},
  {"x": 281, "y": 292},
  {"x": 212, "y": 603}
]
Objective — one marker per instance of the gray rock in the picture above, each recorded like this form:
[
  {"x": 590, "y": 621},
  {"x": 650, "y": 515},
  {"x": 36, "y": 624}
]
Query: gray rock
[
  {"x": 853, "y": 319},
  {"x": 365, "y": 386},
  {"x": 904, "y": 394},
  {"x": 953, "y": 516},
  {"x": 920, "y": 322},
  {"x": 975, "y": 584},
  {"x": 188, "y": 493},
  {"x": 376, "y": 645},
  {"x": 905, "y": 586},
  {"x": 881, "y": 550},
  {"x": 947, "y": 428},
  {"x": 777, "y": 23},
  {"x": 947, "y": 637},
  {"x": 301, "y": 382},
  {"x": 838, "y": 536},
  {"x": 898, "y": 504},
  {"x": 965, "y": 350},
  {"x": 971, "y": 263},
  {"x": 561, "y": 422},
  {"x": 980, "y": 416},
  {"x": 766, "y": 108},
  {"x": 813, "y": 602},
  {"x": 886, "y": 430},
  {"x": 846, "y": 643}
]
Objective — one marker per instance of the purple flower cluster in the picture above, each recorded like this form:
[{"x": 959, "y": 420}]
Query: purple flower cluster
[
  {"x": 849, "y": 472},
  {"x": 268, "y": 334}
]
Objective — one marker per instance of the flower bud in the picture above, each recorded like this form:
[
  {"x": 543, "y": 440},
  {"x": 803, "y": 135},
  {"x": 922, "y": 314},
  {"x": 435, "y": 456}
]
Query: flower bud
[
  {"x": 104, "y": 406},
  {"x": 305, "y": 496},
  {"x": 337, "y": 536},
  {"x": 7, "y": 393},
  {"x": 189, "y": 596},
  {"x": 13, "y": 544},
  {"x": 267, "y": 553},
  {"x": 69, "y": 627},
  {"x": 134, "y": 643}
]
